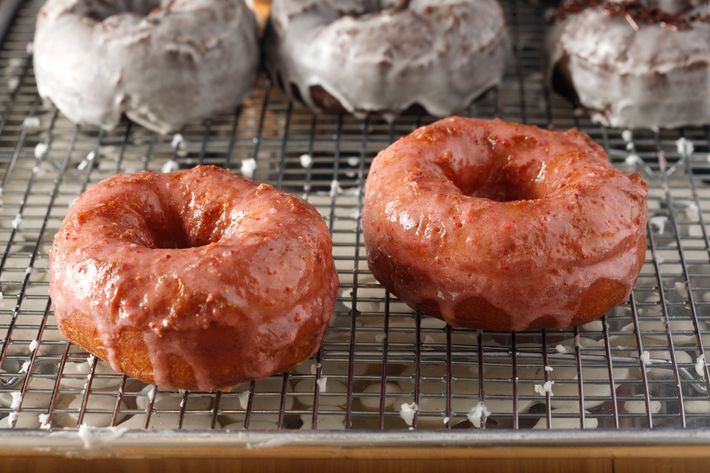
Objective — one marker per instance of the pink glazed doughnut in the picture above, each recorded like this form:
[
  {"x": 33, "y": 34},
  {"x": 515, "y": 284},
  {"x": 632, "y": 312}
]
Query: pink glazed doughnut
[
  {"x": 502, "y": 226},
  {"x": 196, "y": 279}
]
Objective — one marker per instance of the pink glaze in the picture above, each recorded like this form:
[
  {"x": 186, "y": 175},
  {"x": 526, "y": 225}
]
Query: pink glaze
[
  {"x": 173, "y": 254},
  {"x": 503, "y": 226}
]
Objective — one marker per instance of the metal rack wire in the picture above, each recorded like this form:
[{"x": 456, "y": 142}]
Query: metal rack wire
[{"x": 378, "y": 354}]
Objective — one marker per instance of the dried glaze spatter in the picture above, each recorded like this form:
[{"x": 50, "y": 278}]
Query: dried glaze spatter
[
  {"x": 634, "y": 64},
  {"x": 386, "y": 56},
  {"x": 503, "y": 226},
  {"x": 163, "y": 63},
  {"x": 182, "y": 260}
]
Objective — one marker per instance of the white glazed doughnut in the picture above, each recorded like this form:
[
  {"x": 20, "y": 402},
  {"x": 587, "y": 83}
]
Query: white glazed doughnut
[
  {"x": 386, "y": 56},
  {"x": 635, "y": 63},
  {"x": 163, "y": 63}
]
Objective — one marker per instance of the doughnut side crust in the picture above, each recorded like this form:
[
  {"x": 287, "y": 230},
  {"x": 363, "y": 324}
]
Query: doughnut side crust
[
  {"x": 651, "y": 78},
  {"x": 197, "y": 279},
  {"x": 179, "y": 63},
  {"x": 503, "y": 226},
  {"x": 350, "y": 56}
]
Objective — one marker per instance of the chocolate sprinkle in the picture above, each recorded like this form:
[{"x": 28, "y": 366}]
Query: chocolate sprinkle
[{"x": 635, "y": 12}]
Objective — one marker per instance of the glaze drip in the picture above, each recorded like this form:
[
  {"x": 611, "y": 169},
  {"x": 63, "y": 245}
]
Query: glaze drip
[
  {"x": 386, "y": 57},
  {"x": 165, "y": 265},
  {"x": 445, "y": 233}
]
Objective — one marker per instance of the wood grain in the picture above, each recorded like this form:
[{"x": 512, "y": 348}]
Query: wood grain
[{"x": 592, "y": 459}]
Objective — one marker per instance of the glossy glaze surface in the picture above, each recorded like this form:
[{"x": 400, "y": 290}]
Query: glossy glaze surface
[
  {"x": 163, "y": 63},
  {"x": 503, "y": 226},
  {"x": 171, "y": 258},
  {"x": 630, "y": 73},
  {"x": 386, "y": 56}
]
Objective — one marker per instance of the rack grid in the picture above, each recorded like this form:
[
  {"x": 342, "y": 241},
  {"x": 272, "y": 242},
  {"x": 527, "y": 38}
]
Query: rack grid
[{"x": 378, "y": 353}]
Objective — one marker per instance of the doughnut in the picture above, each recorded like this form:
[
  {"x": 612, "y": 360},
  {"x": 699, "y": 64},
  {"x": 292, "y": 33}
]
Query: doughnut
[
  {"x": 163, "y": 63},
  {"x": 195, "y": 279},
  {"x": 643, "y": 64},
  {"x": 503, "y": 226},
  {"x": 386, "y": 56}
]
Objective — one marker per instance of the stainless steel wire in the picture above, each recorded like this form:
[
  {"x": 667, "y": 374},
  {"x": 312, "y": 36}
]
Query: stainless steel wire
[{"x": 639, "y": 367}]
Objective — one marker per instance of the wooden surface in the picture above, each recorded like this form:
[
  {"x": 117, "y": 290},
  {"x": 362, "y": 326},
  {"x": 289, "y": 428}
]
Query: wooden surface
[{"x": 498, "y": 460}]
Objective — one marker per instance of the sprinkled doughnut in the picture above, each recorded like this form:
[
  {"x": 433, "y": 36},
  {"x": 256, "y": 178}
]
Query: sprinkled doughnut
[
  {"x": 502, "y": 226},
  {"x": 386, "y": 56},
  {"x": 636, "y": 63},
  {"x": 164, "y": 63},
  {"x": 195, "y": 279}
]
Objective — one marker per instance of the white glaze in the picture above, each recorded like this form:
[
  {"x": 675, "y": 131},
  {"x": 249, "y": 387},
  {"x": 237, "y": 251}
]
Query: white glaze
[
  {"x": 654, "y": 77},
  {"x": 478, "y": 415},
  {"x": 31, "y": 122},
  {"x": 306, "y": 161},
  {"x": 163, "y": 67},
  {"x": 684, "y": 146},
  {"x": 373, "y": 57},
  {"x": 40, "y": 150},
  {"x": 407, "y": 411},
  {"x": 545, "y": 388}
]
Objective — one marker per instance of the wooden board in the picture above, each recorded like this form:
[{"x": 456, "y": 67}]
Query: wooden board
[{"x": 499, "y": 460}]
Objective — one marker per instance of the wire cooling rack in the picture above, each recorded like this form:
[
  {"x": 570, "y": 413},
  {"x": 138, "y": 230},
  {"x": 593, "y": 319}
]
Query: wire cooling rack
[{"x": 640, "y": 367}]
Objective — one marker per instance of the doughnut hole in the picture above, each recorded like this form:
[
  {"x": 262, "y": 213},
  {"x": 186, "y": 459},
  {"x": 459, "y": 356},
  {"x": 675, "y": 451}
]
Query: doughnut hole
[
  {"x": 160, "y": 223},
  {"x": 178, "y": 231},
  {"x": 477, "y": 166},
  {"x": 100, "y": 10}
]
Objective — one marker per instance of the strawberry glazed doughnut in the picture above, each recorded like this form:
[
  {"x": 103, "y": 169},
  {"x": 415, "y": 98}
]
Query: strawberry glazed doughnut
[
  {"x": 196, "y": 279},
  {"x": 502, "y": 226}
]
